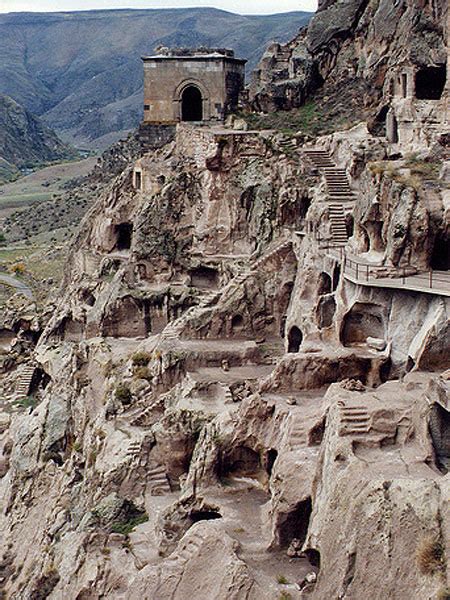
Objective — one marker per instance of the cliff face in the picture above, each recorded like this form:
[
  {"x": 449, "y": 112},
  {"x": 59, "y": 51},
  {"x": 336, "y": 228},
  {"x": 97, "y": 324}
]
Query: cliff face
[
  {"x": 342, "y": 59},
  {"x": 25, "y": 141},
  {"x": 183, "y": 425},
  {"x": 243, "y": 389}
]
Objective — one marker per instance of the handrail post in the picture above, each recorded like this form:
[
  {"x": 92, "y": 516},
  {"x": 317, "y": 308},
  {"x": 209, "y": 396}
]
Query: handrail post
[
  {"x": 367, "y": 272},
  {"x": 431, "y": 278},
  {"x": 356, "y": 270},
  {"x": 404, "y": 275}
]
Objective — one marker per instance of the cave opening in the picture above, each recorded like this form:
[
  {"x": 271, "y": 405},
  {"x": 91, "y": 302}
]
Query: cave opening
[
  {"x": 324, "y": 284},
  {"x": 138, "y": 180},
  {"x": 204, "y": 515},
  {"x": 124, "y": 233},
  {"x": 304, "y": 207},
  {"x": 430, "y": 82},
  {"x": 313, "y": 556},
  {"x": 349, "y": 224},
  {"x": 295, "y": 338},
  {"x": 191, "y": 104},
  {"x": 440, "y": 258},
  {"x": 362, "y": 321},
  {"x": 240, "y": 462},
  {"x": 237, "y": 324},
  {"x": 271, "y": 457},
  {"x": 204, "y": 277},
  {"x": 336, "y": 277},
  {"x": 404, "y": 84},
  {"x": 294, "y": 524},
  {"x": 326, "y": 309},
  {"x": 439, "y": 426}
]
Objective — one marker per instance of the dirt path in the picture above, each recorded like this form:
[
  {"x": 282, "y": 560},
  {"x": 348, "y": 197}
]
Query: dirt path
[{"x": 20, "y": 286}]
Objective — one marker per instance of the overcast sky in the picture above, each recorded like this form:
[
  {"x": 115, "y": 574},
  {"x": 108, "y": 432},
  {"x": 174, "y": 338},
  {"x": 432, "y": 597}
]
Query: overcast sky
[{"x": 257, "y": 7}]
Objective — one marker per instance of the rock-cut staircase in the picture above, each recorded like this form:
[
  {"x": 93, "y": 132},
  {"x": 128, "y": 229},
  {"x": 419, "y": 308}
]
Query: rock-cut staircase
[
  {"x": 354, "y": 420},
  {"x": 174, "y": 329},
  {"x": 339, "y": 193},
  {"x": 24, "y": 382}
]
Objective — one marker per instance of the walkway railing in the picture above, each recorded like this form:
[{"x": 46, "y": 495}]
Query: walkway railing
[{"x": 364, "y": 273}]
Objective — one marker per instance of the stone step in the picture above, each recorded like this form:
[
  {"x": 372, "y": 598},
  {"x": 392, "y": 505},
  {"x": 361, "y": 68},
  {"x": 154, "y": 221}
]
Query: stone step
[
  {"x": 339, "y": 186},
  {"x": 24, "y": 381},
  {"x": 356, "y": 419},
  {"x": 340, "y": 193},
  {"x": 354, "y": 430},
  {"x": 159, "y": 482}
]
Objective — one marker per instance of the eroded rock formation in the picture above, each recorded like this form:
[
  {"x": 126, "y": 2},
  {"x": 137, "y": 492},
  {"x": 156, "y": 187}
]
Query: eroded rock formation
[{"x": 242, "y": 389}]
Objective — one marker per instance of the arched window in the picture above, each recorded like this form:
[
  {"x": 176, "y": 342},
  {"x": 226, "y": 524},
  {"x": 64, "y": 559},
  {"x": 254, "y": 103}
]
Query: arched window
[{"x": 191, "y": 104}]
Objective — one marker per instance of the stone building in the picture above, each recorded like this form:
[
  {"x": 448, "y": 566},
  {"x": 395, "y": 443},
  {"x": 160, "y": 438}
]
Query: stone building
[{"x": 201, "y": 85}]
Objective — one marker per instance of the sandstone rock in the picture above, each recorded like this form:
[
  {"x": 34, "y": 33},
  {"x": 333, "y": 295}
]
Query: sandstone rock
[{"x": 376, "y": 343}]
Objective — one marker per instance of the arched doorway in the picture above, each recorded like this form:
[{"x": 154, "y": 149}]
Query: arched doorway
[
  {"x": 191, "y": 104},
  {"x": 294, "y": 339}
]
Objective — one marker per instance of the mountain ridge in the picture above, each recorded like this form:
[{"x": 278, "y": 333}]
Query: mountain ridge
[
  {"x": 25, "y": 140},
  {"x": 81, "y": 71}
]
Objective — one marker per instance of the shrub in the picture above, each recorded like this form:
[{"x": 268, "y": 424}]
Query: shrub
[
  {"x": 281, "y": 579},
  {"x": 77, "y": 447},
  {"x": 123, "y": 393},
  {"x": 26, "y": 402},
  {"x": 141, "y": 359},
  {"x": 430, "y": 555},
  {"x": 17, "y": 268},
  {"x": 126, "y": 527},
  {"x": 143, "y": 373}
]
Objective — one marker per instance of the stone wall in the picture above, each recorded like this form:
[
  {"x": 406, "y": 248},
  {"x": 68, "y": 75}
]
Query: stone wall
[
  {"x": 196, "y": 142},
  {"x": 219, "y": 79}
]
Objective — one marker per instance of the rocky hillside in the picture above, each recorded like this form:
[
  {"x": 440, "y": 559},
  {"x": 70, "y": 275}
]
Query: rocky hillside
[
  {"x": 242, "y": 389},
  {"x": 25, "y": 141},
  {"x": 82, "y": 71},
  {"x": 220, "y": 405},
  {"x": 341, "y": 61}
]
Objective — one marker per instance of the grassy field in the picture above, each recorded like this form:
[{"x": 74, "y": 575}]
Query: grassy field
[
  {"x": 41, "y": 268},
  {"x": 41, "y": 185}
]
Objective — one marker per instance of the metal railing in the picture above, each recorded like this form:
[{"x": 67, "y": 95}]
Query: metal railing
[{"x": 431, "y": 281}]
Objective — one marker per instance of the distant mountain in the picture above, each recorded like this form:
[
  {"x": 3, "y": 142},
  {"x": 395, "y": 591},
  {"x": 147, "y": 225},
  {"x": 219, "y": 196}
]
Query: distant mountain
[
  {"x": 25, "y": 140},
  {"x": 82, "y": 71}
]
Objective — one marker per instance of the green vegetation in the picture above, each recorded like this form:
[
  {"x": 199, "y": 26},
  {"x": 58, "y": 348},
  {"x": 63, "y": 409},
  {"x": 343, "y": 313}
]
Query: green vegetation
[
  {"x": 430, "y": 555},
  {"x": 425, "y": 169},
  {"x": 310, "y": 119},
  {"x": 143, "y": 373},
  {"x": 126, "y": 527},
  {"x": 123, "y": 393},
  {"x": 412, "y": 172},
  {"x": 281, "y": 579},
  {"x": 77, "y": 447},
  {"x": 141, "y": 359},
  {"x": 26, "y": 402},
  {"x": 285, "y": 596}
]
